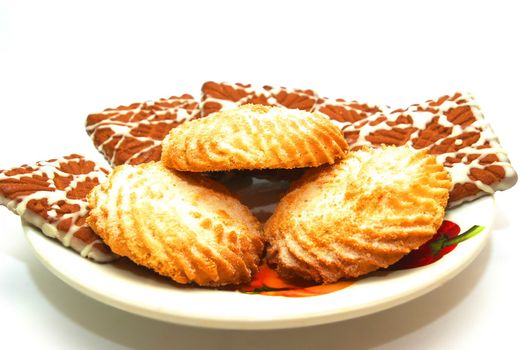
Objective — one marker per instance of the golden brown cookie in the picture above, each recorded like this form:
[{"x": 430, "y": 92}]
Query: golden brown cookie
[
  {"x": 188, "y": 228},
  {"x": 361, "y": 214},
  {"x": 253, "y": 137}
]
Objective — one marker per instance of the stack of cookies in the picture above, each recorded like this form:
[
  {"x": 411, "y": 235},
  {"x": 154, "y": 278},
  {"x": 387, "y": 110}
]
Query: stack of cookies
[
  {"x": 340, "y": 220},
  {"x": 168, "y": 217},
  {"x": 371, "y": 183}
]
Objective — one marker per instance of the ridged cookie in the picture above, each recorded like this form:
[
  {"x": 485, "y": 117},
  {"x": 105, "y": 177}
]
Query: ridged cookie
[
  {"x": 253, "y": 137},
  {"x": 361, "y": 214},
  {"x": 188, "y": 228}
]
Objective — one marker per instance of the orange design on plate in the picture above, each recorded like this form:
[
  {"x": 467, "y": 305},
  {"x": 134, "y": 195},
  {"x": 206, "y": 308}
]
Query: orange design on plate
[{"x": 268, "y": 282}]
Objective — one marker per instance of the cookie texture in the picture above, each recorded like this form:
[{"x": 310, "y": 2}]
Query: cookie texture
[
  {"x": 51, "y": 195},
  {"x": 342, "y": 111},
  {"x": 222, "y": 96},
  {"x": 254, "y": 137},
  {"x": 453, "y": 129},
  {"x": 358, "y": 215},
  {"x": 188, "y": 228},
  {"x": 133, "y": 134}
]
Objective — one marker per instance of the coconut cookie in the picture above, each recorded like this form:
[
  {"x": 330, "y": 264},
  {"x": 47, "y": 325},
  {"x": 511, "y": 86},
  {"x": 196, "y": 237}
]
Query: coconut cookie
[
  {"x": 188, "y": 228},
  {"x": 361, "y": 214},
  {"x": 254, "y": 137}
]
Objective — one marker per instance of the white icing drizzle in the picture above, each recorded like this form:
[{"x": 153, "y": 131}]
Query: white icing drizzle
[
  {"x": 461, "y": 171},
  {"x": 50, "y": 170},
  {"x": 180, "y": 110},
  {"x": 89, "y": 252},
  {"x": 251, "y": 92},
  {"x": 325, "y": 102}
]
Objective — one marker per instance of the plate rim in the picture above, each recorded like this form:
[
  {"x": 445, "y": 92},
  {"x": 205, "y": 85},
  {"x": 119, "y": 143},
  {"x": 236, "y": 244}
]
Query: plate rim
[{"x": 35, "y": 238}]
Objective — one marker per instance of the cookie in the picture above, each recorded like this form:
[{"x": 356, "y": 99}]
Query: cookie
[
  {"x": 342, "y": 111},
  {"x": 183, "y": 226},
  {"x": 453, "y": 129},
  {"x": 51, "y": 195},
  {"x": 253, "y": 137},
  {"x": 363, "y": 213},
  {"x": 224, "y": 96},
  {"x": 133, "y": 134}
]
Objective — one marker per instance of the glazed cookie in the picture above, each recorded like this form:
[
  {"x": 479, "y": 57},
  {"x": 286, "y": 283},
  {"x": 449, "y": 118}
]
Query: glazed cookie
[
  {"x": 224, "y": 96},
  {"x": 51, "y": 195},
  {"x": 342, "y": 111},
  {"x": 453, "y": 129}
]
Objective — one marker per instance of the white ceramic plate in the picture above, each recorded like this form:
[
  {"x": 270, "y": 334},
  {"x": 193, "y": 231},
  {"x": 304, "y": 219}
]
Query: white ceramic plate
[{"x": 139, "y": 291}]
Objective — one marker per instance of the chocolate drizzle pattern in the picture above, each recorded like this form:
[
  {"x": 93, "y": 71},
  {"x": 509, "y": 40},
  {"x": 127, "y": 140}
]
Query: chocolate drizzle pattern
[
  {"x": 51, "y": 195},
  {"x": 133, "y": 134}
]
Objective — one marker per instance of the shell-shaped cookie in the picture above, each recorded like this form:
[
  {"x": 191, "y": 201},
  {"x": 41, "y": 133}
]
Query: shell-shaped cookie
[
  {"x": 188, "y": 228},
  {"x": 254, "y": 137},
  {"x": 358, "y": 215}
]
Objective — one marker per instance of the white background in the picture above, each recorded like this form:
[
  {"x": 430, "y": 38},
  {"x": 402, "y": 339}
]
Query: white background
[{"x": 60, "y": 61}]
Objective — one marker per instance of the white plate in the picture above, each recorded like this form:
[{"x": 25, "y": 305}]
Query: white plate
[{"x": 141, "y": 292}]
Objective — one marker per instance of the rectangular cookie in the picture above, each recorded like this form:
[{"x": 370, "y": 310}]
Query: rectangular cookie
[
  {"x": 133, "y": 134},
  {"x": 342, "y": 111},
  {"x": 453, "y": 129},
  {"x": 224, "y": 96},
  {"x": 51, "y": 195}
]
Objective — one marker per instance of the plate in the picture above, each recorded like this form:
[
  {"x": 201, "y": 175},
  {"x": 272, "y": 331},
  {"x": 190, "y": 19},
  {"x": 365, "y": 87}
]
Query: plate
[{"x": 137, "y": 290}]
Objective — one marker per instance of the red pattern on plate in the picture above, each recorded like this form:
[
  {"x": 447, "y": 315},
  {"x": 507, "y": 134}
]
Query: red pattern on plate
[{"x": 268, "y": 282}]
